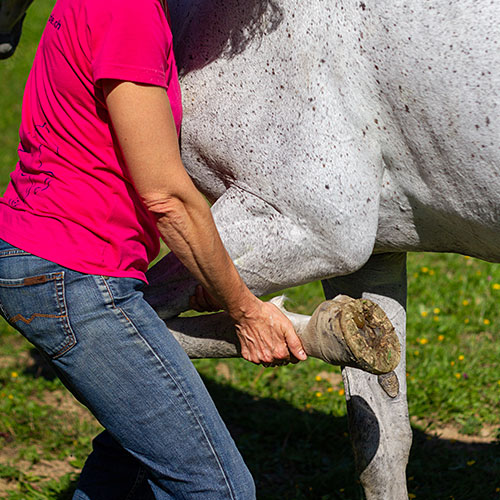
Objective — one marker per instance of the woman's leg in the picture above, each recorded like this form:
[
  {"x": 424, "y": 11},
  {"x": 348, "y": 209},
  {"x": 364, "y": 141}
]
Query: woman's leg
[{"x": 120, "y": 360}]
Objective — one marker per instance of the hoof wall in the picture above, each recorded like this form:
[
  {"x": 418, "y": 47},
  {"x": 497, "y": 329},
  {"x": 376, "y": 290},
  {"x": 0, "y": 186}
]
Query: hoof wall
[{"x": 370, "y": 336}]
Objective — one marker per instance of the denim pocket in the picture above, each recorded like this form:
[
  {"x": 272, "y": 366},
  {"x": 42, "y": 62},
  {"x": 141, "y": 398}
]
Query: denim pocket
[{"x": 36, "y": 306}]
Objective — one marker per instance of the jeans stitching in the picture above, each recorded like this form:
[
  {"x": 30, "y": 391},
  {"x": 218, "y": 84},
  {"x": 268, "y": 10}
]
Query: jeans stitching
[
  {"x": 12, "y": 253},
  {"x": 181, "y": 391},
  {"x": 70, "y": 335},
  {"x": 20, "y": 317},
  {"x": 110, "y": 293},
  {"x": 58, "y": 280}
]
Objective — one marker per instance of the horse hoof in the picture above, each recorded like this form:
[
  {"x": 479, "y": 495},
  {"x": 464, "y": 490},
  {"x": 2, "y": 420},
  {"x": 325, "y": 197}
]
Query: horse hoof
[
  {"x": 353, "y": 332},
  {"x": 370, "y": 336}
]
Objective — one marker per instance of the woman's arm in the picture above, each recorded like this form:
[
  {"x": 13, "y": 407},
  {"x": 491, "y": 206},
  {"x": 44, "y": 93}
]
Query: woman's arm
[{"x": 143, "y": 122}]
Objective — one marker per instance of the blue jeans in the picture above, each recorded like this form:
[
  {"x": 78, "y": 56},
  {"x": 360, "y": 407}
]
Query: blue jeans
[{"x": 164, "y": 438}]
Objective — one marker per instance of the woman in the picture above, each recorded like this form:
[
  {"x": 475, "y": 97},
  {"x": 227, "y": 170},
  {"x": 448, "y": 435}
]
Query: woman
[{"x": 99, "y": 179}]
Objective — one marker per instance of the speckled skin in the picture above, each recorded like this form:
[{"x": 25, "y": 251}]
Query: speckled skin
[{"x": 329, "y": 132}]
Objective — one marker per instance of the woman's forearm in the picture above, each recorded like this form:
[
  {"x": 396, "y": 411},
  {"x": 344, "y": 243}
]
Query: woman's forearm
[
  {"x": 143, "y": 123},
  {"x": 188, "y": 229},
  {"x": 183, "y": 216}
]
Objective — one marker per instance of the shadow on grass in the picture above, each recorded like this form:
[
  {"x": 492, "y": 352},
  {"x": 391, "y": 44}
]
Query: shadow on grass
[{"x": 296, "y": 454}]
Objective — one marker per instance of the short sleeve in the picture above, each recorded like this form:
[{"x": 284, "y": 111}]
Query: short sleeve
[{"x": 130, "y": 40}]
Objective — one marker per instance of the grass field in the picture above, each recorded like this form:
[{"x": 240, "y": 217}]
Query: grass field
[{"x": 290, "y": 423}]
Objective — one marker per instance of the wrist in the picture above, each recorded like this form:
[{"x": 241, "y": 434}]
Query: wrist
[{"x": 245, "y": 306}]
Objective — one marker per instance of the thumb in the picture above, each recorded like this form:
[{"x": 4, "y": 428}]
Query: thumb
[{"x": 295, "y": 345}]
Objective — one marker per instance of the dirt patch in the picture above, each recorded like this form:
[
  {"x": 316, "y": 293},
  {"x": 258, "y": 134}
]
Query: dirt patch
[
  {"x": 450, "y": 432},
  {"x": 52, "y": 469},
  {"x": 44, "y": 470},
  {"x": 334, "y": 379},
  {"x": 223, "y": 370},
  {"x": 64, "y": 401},
  {"x": 17, "y": 361},
  {"x": 5, "y": 486}
]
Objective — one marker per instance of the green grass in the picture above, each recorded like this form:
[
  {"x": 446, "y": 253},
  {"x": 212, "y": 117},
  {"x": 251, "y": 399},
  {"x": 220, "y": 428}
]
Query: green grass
[{"x": 290, "y": 423}]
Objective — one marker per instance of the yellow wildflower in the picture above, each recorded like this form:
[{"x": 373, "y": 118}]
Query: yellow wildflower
[
  {"x": 341, "y": 392},
  {"x": 440, "y": 338},
  {"x": 432, "y": 272},
  {"x": 10, "y": 396},
  {"x": 319, "y": 394},
  {"x": 452, "y": 363},
  {"x": 457, "y": 375},
  {"x": 424, "y": 314},
  {"x": 330, "y": 389},
  {"x": 436, "y": 310},
  {"x": 466, "y": 321},
  {"x": 486, "y": 321},
  {"x": 461, "y": 357},
  {"x": 416, "y": 353},
  {"x": 436, "y": 318},
  {"x": 496, "y": 286},
  {"x": 424, "y": 341},
  {"x": 308, "y": 405},
  {"x": 318, "y": 378},
  {"x": 14, "y": 375},
  {"x": 415, "y": 275},
  {"x": 465, "y": 302},
  {"x": 425, "y": 269},
  {"x": 471, "y": 462}
]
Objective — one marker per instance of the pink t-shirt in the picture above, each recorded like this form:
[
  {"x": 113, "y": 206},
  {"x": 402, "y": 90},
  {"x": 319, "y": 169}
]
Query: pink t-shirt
[{"x": 70, "y": 200}]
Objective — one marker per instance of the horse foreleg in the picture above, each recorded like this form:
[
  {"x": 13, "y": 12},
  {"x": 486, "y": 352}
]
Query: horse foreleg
[
  {"x": 342, "y": 331},
  {"x": 377, "y": 406}
]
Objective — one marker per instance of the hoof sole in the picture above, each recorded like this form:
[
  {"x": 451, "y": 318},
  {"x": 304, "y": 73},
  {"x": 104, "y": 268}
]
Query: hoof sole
[{"x": 370, "y": 336}]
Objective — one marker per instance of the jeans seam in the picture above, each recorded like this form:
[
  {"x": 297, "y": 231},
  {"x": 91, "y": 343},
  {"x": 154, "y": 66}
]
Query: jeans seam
[
  {"x": 110, "y": 293},
  {"x": 201, "y": 427},
  {"x": 70, "y": 336}
]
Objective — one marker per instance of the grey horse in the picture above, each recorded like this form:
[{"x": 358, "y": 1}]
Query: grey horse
[{"x": 332, "y": 138}]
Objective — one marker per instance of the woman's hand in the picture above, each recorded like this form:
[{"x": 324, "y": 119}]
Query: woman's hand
[{"x": 267, "y": 336}]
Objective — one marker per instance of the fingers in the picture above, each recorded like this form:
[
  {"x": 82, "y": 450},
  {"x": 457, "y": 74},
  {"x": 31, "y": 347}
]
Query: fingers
[{"x": 268, "y": 338}]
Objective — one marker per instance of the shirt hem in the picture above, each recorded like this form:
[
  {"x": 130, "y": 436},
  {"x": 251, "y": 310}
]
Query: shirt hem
[
  {"x": 130, "y": 73},
  {"x": 30, "y": 246}
]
